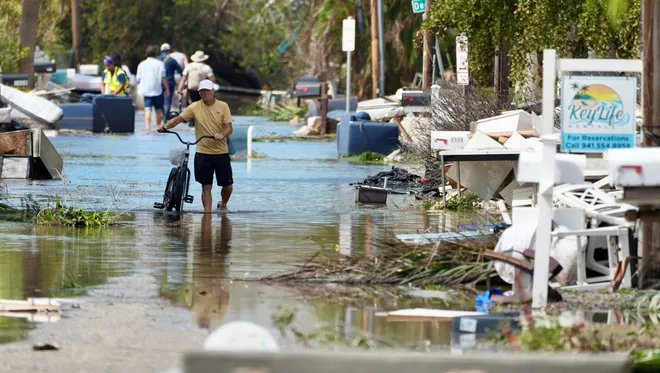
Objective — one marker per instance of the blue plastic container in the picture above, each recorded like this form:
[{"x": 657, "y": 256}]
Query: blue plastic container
[{"x": 356, "y": 134}]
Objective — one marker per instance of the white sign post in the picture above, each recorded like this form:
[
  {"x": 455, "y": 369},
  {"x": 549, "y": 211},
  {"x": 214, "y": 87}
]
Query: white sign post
[
  {"x": 548, "y": 157},
  {"x": 348, "y": 45},
  {"x": 462, "y": 69}
]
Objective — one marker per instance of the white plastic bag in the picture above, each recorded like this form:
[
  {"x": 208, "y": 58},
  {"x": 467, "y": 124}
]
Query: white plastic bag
[
  {"x": 5, "y": 115},
  {"x": 177, "y": 156}
]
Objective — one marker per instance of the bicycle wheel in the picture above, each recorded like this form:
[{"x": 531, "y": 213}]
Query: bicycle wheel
[
  {"x": 169, "y": 190},
  {"x": 180, "y": 189}
]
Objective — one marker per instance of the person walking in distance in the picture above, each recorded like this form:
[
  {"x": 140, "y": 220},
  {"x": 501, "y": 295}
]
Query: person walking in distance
[
  {"x": 151, "y": 79},
  {"x": 212, "y": 118},
  {"x": 171, "y": 68},
  {"x": 193, "y": 74}
]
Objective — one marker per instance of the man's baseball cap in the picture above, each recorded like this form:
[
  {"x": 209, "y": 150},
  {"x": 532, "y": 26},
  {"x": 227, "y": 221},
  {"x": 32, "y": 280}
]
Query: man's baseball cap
[
  {"x": 205, "y": 84},
  {"x": 165, "y": 47}
]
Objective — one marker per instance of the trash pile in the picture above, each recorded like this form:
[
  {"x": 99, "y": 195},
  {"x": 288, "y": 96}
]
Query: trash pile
[{"x": 400, "y": 181}]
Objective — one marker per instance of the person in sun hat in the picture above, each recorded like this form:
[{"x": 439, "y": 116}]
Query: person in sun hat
[
  {"x": 193, "y": 74},
  {"x": 212, "y": 118},
  {"x": 171, "y": 68}
]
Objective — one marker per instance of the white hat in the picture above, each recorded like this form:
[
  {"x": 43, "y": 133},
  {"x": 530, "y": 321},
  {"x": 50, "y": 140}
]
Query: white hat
[
  {"x": 241, "y": 336},
  {"x": 206, "y": 84},
  {"x": 165, "y": 47},
  {"x": 199, "y": 56}
]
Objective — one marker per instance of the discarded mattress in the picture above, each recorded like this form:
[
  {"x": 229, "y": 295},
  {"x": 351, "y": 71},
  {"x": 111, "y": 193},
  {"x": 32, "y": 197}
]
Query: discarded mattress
[{"x": 30, "y": 110}]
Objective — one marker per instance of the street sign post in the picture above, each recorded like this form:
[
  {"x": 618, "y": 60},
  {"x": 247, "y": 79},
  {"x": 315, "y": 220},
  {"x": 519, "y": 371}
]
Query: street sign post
[
  {"x": 348, "y": 45},
  {"x": 419, "y": 6},
  {"x": 462, "y": 70}
]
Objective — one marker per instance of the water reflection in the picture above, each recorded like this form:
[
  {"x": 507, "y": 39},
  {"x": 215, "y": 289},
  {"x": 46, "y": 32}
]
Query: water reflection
[{"x": 207, "y": 296}]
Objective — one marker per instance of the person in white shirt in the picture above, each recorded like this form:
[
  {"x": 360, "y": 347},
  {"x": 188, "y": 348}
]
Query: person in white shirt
[{"x": 151, "y": 79}]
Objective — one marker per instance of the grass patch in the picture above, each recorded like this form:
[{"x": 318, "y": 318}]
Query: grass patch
[
  {"x": 61, "y": 215},
  {"x": 365, "y": 158},
  {"x": 254, "y": 110},
  {"x": 466, "y": 202},
  {"x": 272, "y": 137},
  {"x": 284, "y": 113}
]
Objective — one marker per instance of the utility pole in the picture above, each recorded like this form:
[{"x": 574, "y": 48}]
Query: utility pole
[
  {"x": 381, "y": 50},
  {"x": 651, "y": 113},
  {"x": 426, "y": 67},
  {"x": 75, "y": 32},
  {"x": 374, "y": 49},
  {"x": 28, "y": 37}
]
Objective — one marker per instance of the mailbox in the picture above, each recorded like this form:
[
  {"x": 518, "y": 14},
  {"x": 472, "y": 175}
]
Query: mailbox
[
  {"x": 637, "y": 171},
  {"x": 307, "y": 86},
  {"x": 415, "y": 98},
  {"x": 46, "y": 67},
  {"x": 308, "y": 89},
  {"x": 15, "y": 80}
]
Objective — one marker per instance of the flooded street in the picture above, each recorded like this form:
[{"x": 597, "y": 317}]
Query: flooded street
[{"x": 285, "y": 208}]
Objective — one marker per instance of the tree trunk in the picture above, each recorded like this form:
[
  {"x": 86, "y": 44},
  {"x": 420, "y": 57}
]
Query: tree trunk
[
  {"x": 75, "y": 31},
  {"x": 28, "y": 38},
  {"x": 374, "y": 49},
  {"x": 427, "y": 53},
  {"x": 650, "y": 267}
]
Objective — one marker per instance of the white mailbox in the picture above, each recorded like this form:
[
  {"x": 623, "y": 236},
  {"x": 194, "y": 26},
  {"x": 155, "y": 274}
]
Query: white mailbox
[
  {"x": 637, "y": 171},
  {"x": 569, "y": 168},
  {"x": 637, "y": 167},
  {"x": 445, "y": 140}
]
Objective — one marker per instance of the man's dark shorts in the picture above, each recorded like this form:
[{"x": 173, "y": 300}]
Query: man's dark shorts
[
  {"x": 155, "y": 102},
  {"x": 208, "y": 164}
]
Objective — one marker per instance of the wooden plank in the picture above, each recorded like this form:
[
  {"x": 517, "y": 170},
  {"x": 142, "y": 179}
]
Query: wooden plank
[
  {"x": 31, "y": 304},
  {"x": 426, "y": 314}
]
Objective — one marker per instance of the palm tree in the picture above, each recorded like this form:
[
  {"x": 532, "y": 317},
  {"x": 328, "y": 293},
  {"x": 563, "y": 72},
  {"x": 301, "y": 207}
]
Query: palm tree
[{"x": 28, "y": 37}]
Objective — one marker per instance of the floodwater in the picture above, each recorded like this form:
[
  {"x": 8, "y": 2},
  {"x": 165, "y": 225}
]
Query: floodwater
[{"x": 285, "y": 207}]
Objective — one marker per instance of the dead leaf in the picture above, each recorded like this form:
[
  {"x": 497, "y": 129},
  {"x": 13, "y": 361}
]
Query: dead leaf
[{"x": 45, "y": 347}]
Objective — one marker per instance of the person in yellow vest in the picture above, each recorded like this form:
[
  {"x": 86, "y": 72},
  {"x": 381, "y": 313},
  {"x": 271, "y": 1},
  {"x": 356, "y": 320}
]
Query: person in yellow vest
[{"x": 114, "y": 80}]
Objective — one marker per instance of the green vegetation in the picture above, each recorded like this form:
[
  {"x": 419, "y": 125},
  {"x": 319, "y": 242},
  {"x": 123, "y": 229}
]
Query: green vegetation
[
  {"x": 61, "y": 215},
  {"x": 285, "y": 113},
  {"x": 466, "y": 202},
  {"x": 523, "y": 28},
  {"x": 551, "y": 336},
  {"x": 365, "y": 158}
]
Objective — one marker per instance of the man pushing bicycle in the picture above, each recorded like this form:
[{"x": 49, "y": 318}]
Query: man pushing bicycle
[{"x": 212, "y": 118}]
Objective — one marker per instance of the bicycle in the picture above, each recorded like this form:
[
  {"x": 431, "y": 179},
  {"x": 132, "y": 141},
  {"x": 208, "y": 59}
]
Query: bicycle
[{"x": 176, "y": 189}]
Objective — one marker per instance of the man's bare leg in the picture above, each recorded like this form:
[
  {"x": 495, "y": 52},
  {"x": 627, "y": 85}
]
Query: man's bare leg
[
  {"x": 207, "y": 198},
  {"x": 225, "y": 194},
  {"x": 147, "y": 119},
  {"x": 159, "y": 117}
]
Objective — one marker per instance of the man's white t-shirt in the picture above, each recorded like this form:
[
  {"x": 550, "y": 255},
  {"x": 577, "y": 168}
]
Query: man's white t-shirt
[{"x": 149, "y": 76}]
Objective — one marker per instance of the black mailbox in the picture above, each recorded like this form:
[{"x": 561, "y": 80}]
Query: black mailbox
[
  {"x": 45, "y": 67},
  {"x": 15, "y": 80},
  {"x": 415, "y": 98},
  {"x": 308, "y": 89}
]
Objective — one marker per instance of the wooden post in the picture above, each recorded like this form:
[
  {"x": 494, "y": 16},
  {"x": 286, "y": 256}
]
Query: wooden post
[
  {"x": 426, "y": 67},
  {"x": 650, "y": 272},
  {"x": 374, "y": 49},
  {"x": 496, "y": 72},
  {"x": 28, "y": 37},
  {"x": 75, "y": 32},
  {"x": 324, "y": 108}
]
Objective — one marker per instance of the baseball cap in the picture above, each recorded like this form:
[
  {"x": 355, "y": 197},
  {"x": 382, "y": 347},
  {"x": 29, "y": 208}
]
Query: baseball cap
[
  {"x": 165, "y": 47},
  {"x": 205, "y": 84},
  {"x": 107, "y": 60}
]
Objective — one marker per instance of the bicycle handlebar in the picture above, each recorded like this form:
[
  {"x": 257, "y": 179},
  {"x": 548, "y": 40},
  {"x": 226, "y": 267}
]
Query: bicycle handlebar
[{"x": 189, "y": 143}]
